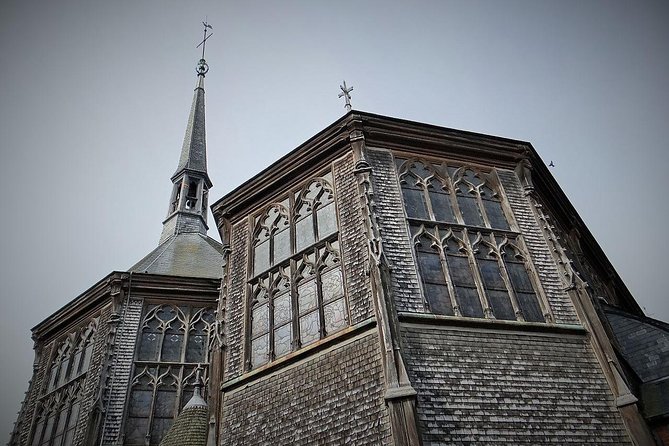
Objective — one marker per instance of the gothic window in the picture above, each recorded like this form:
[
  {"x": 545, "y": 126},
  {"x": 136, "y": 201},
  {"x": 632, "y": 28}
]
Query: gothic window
[
  {"x": 173, "y": 345},
  {"x": 470, "y": 262},
  {"x": 58, "y": 409},
  {"x": 297, "y": 293}
]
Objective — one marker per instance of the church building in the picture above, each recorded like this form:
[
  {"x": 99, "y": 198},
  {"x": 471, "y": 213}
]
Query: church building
[{"x": 387, "y": 282}]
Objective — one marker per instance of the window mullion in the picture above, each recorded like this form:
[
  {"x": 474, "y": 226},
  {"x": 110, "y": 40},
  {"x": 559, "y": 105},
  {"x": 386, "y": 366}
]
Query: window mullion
[
  {"x": 487, "y": 310},
  {"x": 479, "y": 201},
  {"x": 505, "y": 277},
  {"x": 270, "y": 321},
  {"x": 295, "y": 321},
  {"x": 426, "y": 198},
  {"x": 147, "y": 437},
  {"x": 454, "y": 202},
  {"x": 449, "y": 282},
  {"x": 319, "y": 299}
]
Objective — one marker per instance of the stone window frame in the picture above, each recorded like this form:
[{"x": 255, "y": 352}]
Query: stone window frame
[
  {"x": 451, "y": 177},
  {"x": 58, "y": 408},
  {"x": 309, "y": 264},
  {"x": 161, "y": 376}
]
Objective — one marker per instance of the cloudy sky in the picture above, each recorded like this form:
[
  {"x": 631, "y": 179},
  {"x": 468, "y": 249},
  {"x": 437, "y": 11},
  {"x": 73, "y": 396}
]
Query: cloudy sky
[{"x": 94, "y": 98}]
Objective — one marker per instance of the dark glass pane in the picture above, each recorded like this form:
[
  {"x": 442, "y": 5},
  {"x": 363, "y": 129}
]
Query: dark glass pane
[
  {"x": 260, "y": 320},
  {"x": 281, "y": 245},
  {"x": 140, "y": 403},
  {"x": 62, "y": 420},
  {"x": 414, "y": 203},
  {"x": 333, "y": 285},
  {"x": 88, "y": 354},
  {"x": 491, "y": 274},
  {"x": 468, "y": 300},
  {"x": 38, "y": 433},
  {"x": 282, "y": 309},
  {"x": 196, "y": 348},
  {"x": 165, "y": 403},
  {"x": 470, "y": 210},
  {"x": 260, "y": 350},
  {"x": 76, "y": 363},
  {"x": 159, "y": 429},
  {"x": 68, "y": 440},
  {"x": 306, "y": 296},
  {"x": 495, "y": 214},
  {"x": 148, "y": 347},
  {"x": 437, "y": 298},
  {"x": 282, "y": 340},
  {"x": 460, "y": 270},
  {"x": 48, "y": 430},
  {"x": 327, "y": 220},
  {"x": 186, "y": 395},
  {"x": 172, "y": 343},
  {"x": 62, "y": 374},
  {"x": 261, "y": 257},
  {"x": 309, "y": 328},
  {"x": 501, "y": 305},
  {"x": 74, "y": 416},
  {"x": 304, "y": 233},
  {"x": 530, "y": 307},
  {"x": 53, "y": 377},
  {"x": 441, "y": 205},
  {"x": 135, "y": 430},
  {"x": 430, "y": 268},
  {"x": 519, "y": 277},
  {"x": 335, "y": 316}
]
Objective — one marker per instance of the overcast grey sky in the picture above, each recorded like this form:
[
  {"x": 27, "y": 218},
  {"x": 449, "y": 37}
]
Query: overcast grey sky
[{"x": 94, "y": 98}]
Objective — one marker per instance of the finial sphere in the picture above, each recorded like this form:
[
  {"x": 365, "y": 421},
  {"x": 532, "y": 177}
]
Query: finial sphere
[{"x": 202, "y": 67}]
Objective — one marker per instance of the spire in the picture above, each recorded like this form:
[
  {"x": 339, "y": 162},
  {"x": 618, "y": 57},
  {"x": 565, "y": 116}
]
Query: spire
[{"x": 187, "y": 212}]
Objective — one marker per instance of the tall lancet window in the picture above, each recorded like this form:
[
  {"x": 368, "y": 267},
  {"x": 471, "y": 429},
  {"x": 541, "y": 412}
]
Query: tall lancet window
[
  {"x": 297, "y": 291},
  {"x": 58, "y": 407},
  {"x": 471, "y": 261},
  {"x": 173, "y": 344}
]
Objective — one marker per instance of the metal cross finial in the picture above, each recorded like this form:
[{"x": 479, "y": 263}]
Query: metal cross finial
[
  {"x": 346, "y": 94},
  {"x": 202, "y": 66}
]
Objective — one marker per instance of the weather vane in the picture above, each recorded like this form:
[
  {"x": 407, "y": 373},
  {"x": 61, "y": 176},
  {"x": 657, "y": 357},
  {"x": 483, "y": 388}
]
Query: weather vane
[
  {"x": 346, "y": 94},
  {"x": 202, "y": 66}
]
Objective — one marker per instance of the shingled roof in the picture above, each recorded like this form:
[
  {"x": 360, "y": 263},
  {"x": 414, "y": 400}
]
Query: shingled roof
[
  {"x": 191, "y": 426},
  {"x": 188, "y": 254}
]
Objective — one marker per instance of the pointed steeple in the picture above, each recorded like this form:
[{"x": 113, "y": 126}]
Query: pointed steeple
[{"x": 187, "y": 210}]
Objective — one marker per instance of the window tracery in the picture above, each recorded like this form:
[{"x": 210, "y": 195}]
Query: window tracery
[
  {"x": 297, "y": 295},
  {"x": 471, "y": 262},
  {"x": 173, "y": 346},
  {"x": 58, "y": 409}
]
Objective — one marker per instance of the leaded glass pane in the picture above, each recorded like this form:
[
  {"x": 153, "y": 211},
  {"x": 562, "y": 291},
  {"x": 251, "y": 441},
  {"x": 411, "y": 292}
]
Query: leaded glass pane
[
  {"x": 530, "y": 307},
  {"x": 165, "y": 403},
  {"x": 495, "y": 214},
  {"x": 309, "y": 328},
  {"x": 501, "y": 305},
  {"x": 159, "y": 429},
  {"x": 53, "y": 377},
  {"x": 306, "y": 296},
  {"x": 140, "y": 403},
  {"x": 282, "y": 340},
  {"x": 333, "y": 285},
  {"x": 260, "y": 350},
  {"x": 48, "y": 429},
  {"x": 38, "y": 433},
  {"x": 414, "y": 203},
  {"x": 60, "y": 427},
  {"x": 261, "y": 257},
  {"x": 460, "y": 270},
  {"x": 430, "y": 267},
  {"x": 469, "y": 302},
  {"x": 327, "y": 220},
  {"x": 196, "y": 348},
  {"x": 282, "y": 309},
  {"x": 172, "y": 343},
  {"x": 62, "y": 374},
  {"x": 441, "y": 205},
  {"x": 519, "y": 277},
  {"x": 304, "y": 233},
  {"x": 281, "y": 245},
  {"x": 335, "y": 316},
  {"x": 76, "y": 363},
  {"x": 74, "y": 416},
  {"x": 260, "y": 320},
  {"x": 491, "y": 274},
  {"x": 135, "y": 430},
  {"x": 148, "y": 346},
  {"x": 88, "y": 354},
  {"x": 469, "y": 209},
  {"x": 438, "y": 299}
]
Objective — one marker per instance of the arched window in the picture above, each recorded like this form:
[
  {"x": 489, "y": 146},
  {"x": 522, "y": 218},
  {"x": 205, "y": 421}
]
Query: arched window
[
  {"x": 469, "y": 259},
  {"x": 173, "y": 344},
  {"x": 297, "y": 295}
]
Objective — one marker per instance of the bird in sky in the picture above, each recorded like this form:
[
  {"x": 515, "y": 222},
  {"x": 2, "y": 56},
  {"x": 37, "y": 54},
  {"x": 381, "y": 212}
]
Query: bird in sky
[{"x": 551, "y": 164}]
